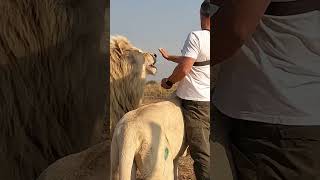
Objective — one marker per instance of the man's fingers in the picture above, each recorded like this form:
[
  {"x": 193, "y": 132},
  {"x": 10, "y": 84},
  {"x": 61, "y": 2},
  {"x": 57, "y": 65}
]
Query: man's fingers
[
  {"x": 161, "y": 50},
  {"x": 164, "y": 53}
]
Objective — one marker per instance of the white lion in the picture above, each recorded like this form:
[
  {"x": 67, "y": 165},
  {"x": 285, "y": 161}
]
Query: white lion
[
  {"x": 128, "y": 69},
  {"x": 150, "y": 138}
]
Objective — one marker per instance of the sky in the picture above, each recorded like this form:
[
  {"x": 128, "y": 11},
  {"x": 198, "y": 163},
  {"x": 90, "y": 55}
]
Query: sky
[{"x": 151, "y": 24}]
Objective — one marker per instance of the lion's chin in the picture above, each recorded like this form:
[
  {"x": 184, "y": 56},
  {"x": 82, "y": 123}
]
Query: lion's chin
[{"x": 151, "y": 69}]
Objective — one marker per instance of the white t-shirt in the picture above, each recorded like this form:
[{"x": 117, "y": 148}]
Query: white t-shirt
[
  {"x": 196, "y": 85},
  {"x": 275, "y": 77}
]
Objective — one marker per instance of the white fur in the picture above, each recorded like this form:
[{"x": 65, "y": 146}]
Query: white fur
[{"x": 140, "y": 139}]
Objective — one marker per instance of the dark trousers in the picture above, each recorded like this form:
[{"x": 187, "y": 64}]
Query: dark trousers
[
  {"x": 197, "y": 127},
  {"x": 262, "y": 151},
  {"x": 221, "y": 161}
]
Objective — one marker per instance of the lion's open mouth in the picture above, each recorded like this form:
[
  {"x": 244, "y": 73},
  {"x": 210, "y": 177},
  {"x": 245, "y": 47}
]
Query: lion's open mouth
[
  {"x": 150, "y": 61},
  {"x": 153, "y": 65},
  {"x": 151, "y": 68}
]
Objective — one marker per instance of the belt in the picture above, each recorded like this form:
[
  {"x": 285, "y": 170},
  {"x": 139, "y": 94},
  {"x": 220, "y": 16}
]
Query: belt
[
  {"x": 201, "y": 103},
  {"x": 203, "y": 63},
  {"x": 292, "y": 7}
]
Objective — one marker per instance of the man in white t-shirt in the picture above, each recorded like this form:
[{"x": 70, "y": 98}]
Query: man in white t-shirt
[
  {"x": 266, "y": 118},
  {"x": 193, "y": 75}
]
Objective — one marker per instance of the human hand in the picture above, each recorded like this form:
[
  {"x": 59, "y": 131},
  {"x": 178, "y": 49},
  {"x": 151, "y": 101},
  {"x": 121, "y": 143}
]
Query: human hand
[
  {"x": 164, "y": 53},
  {"x": 164, "y": 84}
]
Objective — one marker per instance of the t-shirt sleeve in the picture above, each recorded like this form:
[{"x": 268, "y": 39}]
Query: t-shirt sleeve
[{"x": 191, "y": 46}]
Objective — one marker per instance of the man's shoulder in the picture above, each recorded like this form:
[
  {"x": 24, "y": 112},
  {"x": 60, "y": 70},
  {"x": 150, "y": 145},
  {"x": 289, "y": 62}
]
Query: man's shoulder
[{"x": 199, "y": 33}]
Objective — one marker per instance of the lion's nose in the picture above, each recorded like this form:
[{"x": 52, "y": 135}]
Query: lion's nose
[{"x": 155, "y": 55}]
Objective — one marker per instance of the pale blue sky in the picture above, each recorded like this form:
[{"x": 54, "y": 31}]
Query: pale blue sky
[{"x": 151, "y": 24}]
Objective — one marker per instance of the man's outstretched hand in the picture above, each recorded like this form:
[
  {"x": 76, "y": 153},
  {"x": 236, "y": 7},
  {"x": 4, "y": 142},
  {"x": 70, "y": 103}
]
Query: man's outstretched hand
[{"x": 164, "y": 53}]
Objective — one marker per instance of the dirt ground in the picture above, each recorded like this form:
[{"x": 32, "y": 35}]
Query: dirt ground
[
  {"x": 185, "y": 163},
  {"x": 186, "y": 168}
]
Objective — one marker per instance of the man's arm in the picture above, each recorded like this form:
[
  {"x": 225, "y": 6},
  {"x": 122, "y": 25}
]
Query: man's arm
[
  {"x": 176, "y": 59},
  {"x": 189, "y": 52},
  {"x": 173, "y": 58},
  {"x": 182, "y": 69},
  {"x": 233, "y": 24}
]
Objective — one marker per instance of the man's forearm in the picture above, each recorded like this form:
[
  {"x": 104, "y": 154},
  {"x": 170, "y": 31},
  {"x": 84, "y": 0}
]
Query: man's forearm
[
  {"x": 176, "y": 59},
  {"x": 234, "y": 23},
  {"x": 178, "y": 74},
  {"x": 225, "y": 42}
]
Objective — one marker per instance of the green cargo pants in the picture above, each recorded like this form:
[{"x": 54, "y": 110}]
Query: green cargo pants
[{"x": 197, "y": 127}]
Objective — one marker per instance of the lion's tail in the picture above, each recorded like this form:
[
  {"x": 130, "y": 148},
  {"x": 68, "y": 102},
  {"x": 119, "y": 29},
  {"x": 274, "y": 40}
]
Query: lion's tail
[{"x": 123, "y": 149}]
